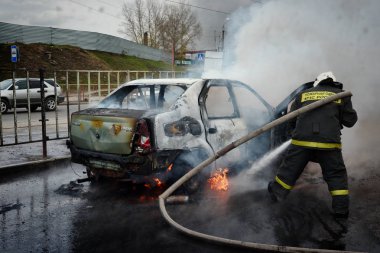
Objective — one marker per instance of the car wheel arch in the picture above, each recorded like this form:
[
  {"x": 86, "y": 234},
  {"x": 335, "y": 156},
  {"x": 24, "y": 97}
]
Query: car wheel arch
[
  {"x": 186, "y": 161},
  {"x": 6, "y": 103}
]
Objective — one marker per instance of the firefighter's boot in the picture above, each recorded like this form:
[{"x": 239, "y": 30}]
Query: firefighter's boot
[
  {"x": 340, "y": 206},
  {"x": 277, "y": 192}
]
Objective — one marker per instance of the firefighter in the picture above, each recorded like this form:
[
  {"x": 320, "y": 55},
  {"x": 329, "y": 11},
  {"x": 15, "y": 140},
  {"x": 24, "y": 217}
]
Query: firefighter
[{"x": 316, "y": 137}]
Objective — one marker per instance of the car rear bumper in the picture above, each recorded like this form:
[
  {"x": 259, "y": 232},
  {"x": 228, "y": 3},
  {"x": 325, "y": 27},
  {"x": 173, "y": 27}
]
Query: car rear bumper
[
  {"x": 138, "y": 167},
  {"x": 60, "y": 99}
]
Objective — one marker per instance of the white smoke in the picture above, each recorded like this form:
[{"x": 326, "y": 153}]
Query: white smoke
[{"x": 278, "y": 45}]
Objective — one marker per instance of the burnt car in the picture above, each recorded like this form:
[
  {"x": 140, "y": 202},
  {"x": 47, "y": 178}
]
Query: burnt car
[{"x": 157, "y": 129}]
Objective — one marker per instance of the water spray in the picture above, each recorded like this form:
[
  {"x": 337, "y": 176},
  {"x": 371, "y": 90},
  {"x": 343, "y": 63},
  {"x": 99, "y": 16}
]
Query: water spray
[
  {"x": 243, "y": 181},
  {"x": 222, "y": 152},
  {"x": 267, "y": 158}
]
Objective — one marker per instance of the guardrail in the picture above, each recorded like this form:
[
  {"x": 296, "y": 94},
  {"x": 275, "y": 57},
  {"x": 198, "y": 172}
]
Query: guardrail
[
  {"x": 80, "y": 88},
  {"x": 86, "y": 83}
]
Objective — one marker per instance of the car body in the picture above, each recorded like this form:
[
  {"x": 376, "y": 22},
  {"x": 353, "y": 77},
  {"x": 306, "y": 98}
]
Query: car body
[
  {"x": 21, "y": 94},
  {"x": 134, "y": 136}
]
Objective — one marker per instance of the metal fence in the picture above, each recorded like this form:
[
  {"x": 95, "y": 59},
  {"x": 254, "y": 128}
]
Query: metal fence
[
  {"x": 23, "y": 123},
  {"x": 10, "y": 33}
]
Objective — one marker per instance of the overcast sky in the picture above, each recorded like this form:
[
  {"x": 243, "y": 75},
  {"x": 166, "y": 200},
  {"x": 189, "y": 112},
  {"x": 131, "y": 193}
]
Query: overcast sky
[{"x": 104, "y": 16}]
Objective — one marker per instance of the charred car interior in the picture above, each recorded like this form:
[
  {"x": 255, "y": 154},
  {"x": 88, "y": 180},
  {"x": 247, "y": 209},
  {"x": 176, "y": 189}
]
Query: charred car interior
[{"x": 155, "y": 130}]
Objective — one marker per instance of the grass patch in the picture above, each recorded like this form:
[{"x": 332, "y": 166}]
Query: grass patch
[{"x": 121, "y": 62}]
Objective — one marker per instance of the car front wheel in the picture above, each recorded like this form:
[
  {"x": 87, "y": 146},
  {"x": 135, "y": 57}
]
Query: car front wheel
[
  {"x": 50, "y": 104},
  {"x": 4, "y": 106}
]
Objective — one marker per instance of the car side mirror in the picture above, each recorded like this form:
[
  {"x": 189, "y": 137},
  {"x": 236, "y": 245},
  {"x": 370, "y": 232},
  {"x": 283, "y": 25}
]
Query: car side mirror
[{"x": 16, "y": 87}]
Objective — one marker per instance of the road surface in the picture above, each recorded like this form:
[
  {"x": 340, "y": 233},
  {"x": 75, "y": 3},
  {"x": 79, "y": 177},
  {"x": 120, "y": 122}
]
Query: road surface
[{"x": 40, "y": 212}]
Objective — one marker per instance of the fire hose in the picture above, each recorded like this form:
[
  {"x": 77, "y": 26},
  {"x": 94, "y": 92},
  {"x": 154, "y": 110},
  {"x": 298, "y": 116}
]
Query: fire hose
[{"x": 222, "y": 152}]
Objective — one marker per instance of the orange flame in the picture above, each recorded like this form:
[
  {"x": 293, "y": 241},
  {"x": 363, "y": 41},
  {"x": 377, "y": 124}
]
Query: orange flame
[
  {"x": 158, "y": 182},
  {"x": 219, "y": 180},
  {"x": 170, "y": 167}
]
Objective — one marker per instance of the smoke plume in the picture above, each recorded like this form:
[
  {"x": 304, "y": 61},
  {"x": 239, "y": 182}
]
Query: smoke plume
[
  {"x": 278, "y": 45},
  {"x": 275, "y": 47}
]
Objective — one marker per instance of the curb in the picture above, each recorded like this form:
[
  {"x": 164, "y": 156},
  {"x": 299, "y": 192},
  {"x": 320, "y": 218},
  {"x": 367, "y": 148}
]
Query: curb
[{"x": 27, "y": 164}]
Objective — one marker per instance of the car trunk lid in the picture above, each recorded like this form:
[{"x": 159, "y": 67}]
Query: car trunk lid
[{"x": 104, "y": 130}]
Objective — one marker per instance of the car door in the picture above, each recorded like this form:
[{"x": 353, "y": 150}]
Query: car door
[
  {"x": 230, "y": 110},
  {"x": 21, "y": 96},
  {"x": 35, "y": 91}
]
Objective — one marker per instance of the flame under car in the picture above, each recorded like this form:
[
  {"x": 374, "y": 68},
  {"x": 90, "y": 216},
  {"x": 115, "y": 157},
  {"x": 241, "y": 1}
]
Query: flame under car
[{"x": 155, "y": 130}]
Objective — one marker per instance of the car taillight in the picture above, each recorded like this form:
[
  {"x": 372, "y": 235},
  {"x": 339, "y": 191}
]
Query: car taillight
[
  {"x": 143, "y": 140},
  {"x": 182, "y": 127}
]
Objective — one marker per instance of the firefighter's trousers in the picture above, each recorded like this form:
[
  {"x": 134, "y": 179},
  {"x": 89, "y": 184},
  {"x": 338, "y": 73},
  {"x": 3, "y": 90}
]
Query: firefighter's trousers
[{"x": 333, "y": 169}]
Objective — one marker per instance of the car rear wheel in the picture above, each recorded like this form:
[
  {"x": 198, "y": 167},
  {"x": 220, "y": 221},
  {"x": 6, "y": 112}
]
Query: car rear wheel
[
  {"x": 50, "y": 104},
  {"x": 191, "y": 186},
  {"x": 4, "y": 106}
]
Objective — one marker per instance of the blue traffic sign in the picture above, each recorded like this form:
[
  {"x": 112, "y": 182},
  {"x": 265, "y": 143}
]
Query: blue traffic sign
[
  {"x": 201, "y": 57},
  {"x": 14, "y": 53}
]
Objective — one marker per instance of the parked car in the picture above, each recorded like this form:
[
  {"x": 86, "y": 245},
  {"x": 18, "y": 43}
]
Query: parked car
[
  {"x": 158, "y": 129},
  {"x": 7, "y": 101}
]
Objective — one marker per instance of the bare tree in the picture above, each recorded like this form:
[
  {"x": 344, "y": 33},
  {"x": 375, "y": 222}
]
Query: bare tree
[
  {"x": 155, "y": 22},
  {"x": 169, "y": 27},
  {"x": 134, "y": 24},
  {"x": 180, "y": 29},
  {"x": 142, "y": 19}
]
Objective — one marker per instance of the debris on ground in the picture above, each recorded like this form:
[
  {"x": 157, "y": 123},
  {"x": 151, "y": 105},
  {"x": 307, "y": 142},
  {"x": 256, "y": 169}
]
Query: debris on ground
[
  {"x": 72, "y": 188},
  {"x": 10, "y": 207}
]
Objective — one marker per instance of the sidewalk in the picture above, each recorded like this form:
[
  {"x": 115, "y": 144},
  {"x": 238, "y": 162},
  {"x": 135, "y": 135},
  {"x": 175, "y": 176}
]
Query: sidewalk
[{"x": 31, "y": 153}]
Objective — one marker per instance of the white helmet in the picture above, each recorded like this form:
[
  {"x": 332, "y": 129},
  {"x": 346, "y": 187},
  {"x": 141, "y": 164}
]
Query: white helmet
[{"x": 324, "y": 76}]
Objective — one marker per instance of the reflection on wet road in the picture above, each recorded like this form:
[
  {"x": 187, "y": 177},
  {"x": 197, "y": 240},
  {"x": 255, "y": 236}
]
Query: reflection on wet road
[
  {"x": 41, "y": 211},
  {"x": 41, "y": 223}
]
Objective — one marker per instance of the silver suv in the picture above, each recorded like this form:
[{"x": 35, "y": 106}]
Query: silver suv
[{"x": 6, "y": 92}]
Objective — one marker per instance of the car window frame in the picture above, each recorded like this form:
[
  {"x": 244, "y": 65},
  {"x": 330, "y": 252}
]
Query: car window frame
[
  {"x": 202, "y": 99},
  {"x": 9, "y": 83},
  {"x": 39, "y": 85},
  {"x": 107, "y": 101},
  {"x": 221, "y": 83},
  {"x": 52, "y": 83},
  {"x": 19, "y": 84}
]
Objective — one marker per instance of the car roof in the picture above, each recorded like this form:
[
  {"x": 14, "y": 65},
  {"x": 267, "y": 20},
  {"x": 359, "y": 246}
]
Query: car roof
[{"x": 166, "y": 81}]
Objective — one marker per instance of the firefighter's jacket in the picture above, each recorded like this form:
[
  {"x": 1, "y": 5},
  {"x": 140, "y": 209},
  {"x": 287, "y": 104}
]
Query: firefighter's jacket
[{"x": 320, "y": 128}]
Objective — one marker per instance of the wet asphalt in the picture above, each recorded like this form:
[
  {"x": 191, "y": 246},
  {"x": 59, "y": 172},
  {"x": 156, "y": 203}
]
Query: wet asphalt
[{"x": 40, "y": 211}]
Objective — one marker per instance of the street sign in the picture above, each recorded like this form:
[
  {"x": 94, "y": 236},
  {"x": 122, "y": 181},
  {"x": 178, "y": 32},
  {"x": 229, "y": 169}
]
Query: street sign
[
  {"x": 201, "y": 57},
  {"x": 14, "y": 53},
  {"x": 183, "y": 62}
]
